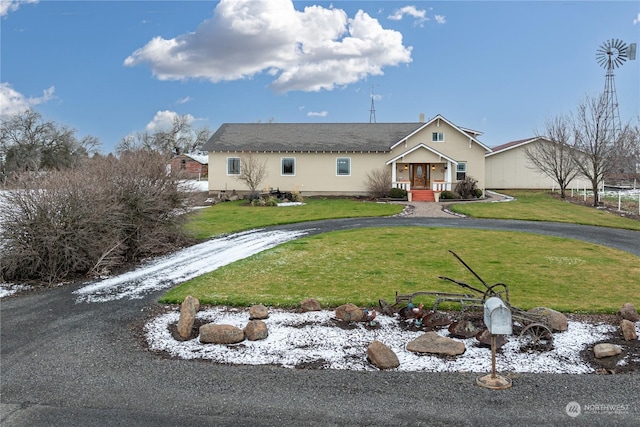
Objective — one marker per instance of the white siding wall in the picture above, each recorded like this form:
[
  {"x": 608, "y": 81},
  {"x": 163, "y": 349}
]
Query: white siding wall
[
  {"x": 511, "y": 169},
  {"x": 315, "y": 173}
]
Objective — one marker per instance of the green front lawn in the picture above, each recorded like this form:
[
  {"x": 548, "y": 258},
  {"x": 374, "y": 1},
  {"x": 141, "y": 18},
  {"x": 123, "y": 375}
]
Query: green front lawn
[
  {"x": 230, "y": 217},
  {"x": 361, "y": 266},
  {"x": 540, "y": 206}
]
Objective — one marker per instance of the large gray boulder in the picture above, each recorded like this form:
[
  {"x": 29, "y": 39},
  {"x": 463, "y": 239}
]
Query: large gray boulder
[
  {"x": 433, "y": 343},
  {"x": 463, "y": 329},
  {"x": 628, "y": 312},
  {"x": 382, "y": 356},
  {"x": 628, "y": 329},
  {"x": 556, "y": 321},
  {"x": 310, "y": 304},
  {"x": 212, "y": 333},
  {"x": 188, "y": 310},
  {"x": 606, "y": 350},
  {"x": 349, "y": 313},
  {"x": 258, "y": 312},
  {"x": 256, "y": 330}
]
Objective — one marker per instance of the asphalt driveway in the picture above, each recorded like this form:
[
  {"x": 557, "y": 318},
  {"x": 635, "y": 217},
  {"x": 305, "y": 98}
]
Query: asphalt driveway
[{"x": 67, "y": 363}]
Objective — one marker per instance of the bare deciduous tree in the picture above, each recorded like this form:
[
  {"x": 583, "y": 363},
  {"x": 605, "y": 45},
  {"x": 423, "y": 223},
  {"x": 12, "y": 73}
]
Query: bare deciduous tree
[
  {"x": 626, "y": 153},
  {"x": 181, "y": 138},
  {"x": 597, "y": 146},
  {"x": 29, "y": 143},
  {"x": 253, "y": 171},
  {"x": 552, "y": 153}
]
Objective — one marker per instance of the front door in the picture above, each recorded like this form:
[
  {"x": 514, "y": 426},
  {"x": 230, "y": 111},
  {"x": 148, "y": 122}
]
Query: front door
[{"x": 420, "y": 176}]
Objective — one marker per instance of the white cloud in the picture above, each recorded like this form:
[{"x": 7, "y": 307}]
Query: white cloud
[
  {"x": 7, "y": 6},
  {"x": 308, "y": 50},
  {"x": 637, "y": 19},
  {"x": 317, "y": 114},
  {"x": 13, "y": 102},
  {"x": 184, "y": 100},
  {"x": 163, "y": 121},
  {"x": 419, "y": 14}
]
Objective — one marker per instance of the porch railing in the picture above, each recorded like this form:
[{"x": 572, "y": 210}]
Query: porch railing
[
  {"x": 435, "y": 186},
  {"x": 441, "y": 186},
  {"x": 405, "y": 185}
]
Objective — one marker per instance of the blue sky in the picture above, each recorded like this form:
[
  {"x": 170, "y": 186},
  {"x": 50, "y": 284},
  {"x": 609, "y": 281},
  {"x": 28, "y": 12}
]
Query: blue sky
[{"x": 110, "y": 68}]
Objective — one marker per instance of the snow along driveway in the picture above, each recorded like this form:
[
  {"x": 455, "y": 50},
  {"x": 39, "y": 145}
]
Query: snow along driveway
[
  {"x": 298, "y": 339},
  {"x": 188, "y": 263}
]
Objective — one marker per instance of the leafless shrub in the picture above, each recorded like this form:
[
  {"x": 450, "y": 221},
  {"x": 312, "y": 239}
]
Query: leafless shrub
[
  {"x": 91, "y": 219},
  {"x": 379, "y": 182},
  {"x": 253, "y": 171},
  {"x": 466, "y": 188}
]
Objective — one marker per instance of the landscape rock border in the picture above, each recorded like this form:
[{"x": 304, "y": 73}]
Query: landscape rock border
[{"x": 607, "y": 364}]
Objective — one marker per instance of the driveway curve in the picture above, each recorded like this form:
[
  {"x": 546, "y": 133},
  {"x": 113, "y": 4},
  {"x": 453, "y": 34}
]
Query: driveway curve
[{"x": 69, "y": 363}]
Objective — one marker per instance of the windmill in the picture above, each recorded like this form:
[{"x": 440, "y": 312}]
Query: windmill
[{"x": 610, "y": 55}]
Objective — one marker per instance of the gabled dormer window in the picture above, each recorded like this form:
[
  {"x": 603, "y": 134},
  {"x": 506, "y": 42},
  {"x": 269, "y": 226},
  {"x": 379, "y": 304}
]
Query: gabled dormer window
[{"x": 437, "y": 136}]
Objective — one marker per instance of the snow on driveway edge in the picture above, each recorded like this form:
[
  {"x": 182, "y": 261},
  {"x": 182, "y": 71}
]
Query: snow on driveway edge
[{"x": 183, "y": 265}]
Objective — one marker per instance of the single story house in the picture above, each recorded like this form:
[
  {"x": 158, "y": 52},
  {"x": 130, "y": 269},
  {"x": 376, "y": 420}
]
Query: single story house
[
  {"x": 507, "y": 167},
  {"x": 193, "y": 166},
  {"x": 335, "y": 158}
]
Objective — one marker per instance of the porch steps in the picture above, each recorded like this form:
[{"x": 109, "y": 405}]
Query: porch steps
[{"x": 422, "y": 196}]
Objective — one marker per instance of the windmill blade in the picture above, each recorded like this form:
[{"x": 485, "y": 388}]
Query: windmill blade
[
  {"x": 620, "y": 46},
  {"x": 619, "y": 61},
  {"x": 613, "y": 53}
]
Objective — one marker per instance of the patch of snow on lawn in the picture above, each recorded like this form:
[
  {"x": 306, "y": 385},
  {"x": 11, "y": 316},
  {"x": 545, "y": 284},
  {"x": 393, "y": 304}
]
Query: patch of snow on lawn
[
  {"x": 305, "y": 338},
  {"x": 291, "y": 204},
  {"x": 186, "y": 264}
]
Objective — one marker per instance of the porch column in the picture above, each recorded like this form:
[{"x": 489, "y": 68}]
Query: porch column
[
  {"x": 447, "y": 177},
  {"x": 393, "y": 172}
]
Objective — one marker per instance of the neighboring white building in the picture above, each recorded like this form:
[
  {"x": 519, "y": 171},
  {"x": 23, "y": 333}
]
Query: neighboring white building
[{"x": 507, "y": 167}]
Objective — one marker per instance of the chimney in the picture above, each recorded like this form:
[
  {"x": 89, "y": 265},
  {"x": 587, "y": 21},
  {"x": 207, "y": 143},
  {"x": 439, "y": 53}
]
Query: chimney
[{"x": 421, "y": 118}]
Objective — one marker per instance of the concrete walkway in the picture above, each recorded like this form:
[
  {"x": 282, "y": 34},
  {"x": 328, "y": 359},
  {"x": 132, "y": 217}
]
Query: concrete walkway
[
  {"x": 440, "y": 209},
  {"x": 426, "y": 210}
]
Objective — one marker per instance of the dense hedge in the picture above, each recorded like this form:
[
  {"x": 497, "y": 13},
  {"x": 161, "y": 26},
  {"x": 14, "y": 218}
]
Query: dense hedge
[{"x": 90, "y": 220}]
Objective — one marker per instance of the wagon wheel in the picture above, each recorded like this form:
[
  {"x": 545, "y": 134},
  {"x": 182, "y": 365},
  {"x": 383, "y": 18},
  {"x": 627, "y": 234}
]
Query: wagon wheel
[
  {"x": 536, "y": 336},
  {"x": 492, "y": 292}
]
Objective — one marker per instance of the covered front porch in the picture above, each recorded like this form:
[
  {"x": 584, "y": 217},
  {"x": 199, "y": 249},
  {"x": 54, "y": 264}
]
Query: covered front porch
[
  {"x": 422, "y": 176},
  {"x": 422, "y": 169}
]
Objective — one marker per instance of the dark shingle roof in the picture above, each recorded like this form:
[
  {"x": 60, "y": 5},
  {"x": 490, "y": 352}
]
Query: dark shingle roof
[{"x": 309, "y": 136}]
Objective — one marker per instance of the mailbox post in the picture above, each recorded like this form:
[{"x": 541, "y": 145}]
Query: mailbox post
[{"x": 497, "y": 317}]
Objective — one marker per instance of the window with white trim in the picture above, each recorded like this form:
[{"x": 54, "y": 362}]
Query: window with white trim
[
  {"x": 461, "y": 171},
  {"x": 343, "y": 166},
  {"x": 288, "y": 166},
  {"x": 437, "y": 136},
  {"x": 233, "y": 165}
]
